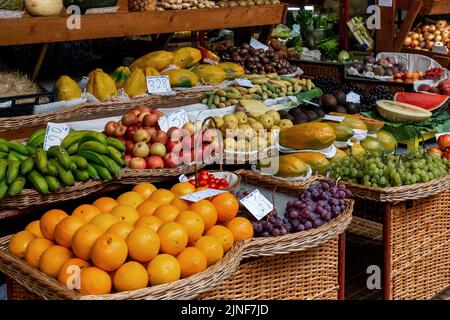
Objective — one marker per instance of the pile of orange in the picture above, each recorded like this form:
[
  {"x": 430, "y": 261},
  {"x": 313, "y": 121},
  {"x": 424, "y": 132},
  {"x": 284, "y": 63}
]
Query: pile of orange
[{"x": 146, "y": 236}]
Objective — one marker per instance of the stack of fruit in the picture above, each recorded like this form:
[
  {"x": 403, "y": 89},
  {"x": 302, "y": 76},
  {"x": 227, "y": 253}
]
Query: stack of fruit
[
  {"x": 82, "y": 155},
  {"x": 209, "y": 180},
  {"x": 146, "y": 236},
  {"x": 442, "y": 88},
  {"x": 443, "y": 148}
]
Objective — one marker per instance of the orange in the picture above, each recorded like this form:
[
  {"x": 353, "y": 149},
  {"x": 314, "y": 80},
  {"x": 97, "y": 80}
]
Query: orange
[
  {"x": 84, "y": 239},
  {"x": 143, "y": 244},
  {"x": 104, "y": 221},
  {"x": 227, "y": 206},
  {"x": 109, "y": 252},
  {"x": 145, "y": 189},
  {"x": 201, "y": 188},
  {"x": 53, "y": 258},
  {"x": 173, "y": 237},
  {"x": 86, "y": 212},
  {"x": 70, "y": 270},
  {"x": 34, "y": 228},
  {"x": 223, "y": 235},
  {"x": 211, "y": 247},
  {"x": 19, "y": 243},
  {"x": 164, "y": 268},
  {"x": 105, "y": 204},
  {"x": 65, "y": 230},
  {"x": 130, "y": 276},
  {"x": 130, "y": 198},
  {"x": 122, "y": 229},
  {"x": 162, "y": 196},
  {"x": 149, "y": 222},
  {"x": 180, "y": 204},
  {"x": 125, "y": 214},
  {"x": 147, "y": 208},
  {"x": 193, "y": 224},
  {"x": 207, "y": 211},
  {"x": 94, "y": 281},
  {"x": 192, "y": 261},
  {"x": 49, "y": 221},
  {"x": 35, "y": 250},
  {"x": 241, "y": 228},
  {"x": 166, "y": 213},
  {"x": 182, "y": 188}
]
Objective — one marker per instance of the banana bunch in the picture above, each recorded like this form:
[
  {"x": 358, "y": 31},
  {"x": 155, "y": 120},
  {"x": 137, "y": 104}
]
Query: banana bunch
[{"x": 82, "y": 155}]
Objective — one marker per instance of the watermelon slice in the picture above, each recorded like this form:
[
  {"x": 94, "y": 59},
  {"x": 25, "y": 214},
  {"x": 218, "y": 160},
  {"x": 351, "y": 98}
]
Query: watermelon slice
[{"x": 425, "y": 101}]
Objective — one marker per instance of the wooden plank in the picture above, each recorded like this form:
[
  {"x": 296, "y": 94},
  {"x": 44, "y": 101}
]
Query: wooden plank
[
  {"x": 413, "y": 11},
  {"x": 430, "y": 7},
  {"x": 385, "y": 36},
  {"x": 122, "y": 24}
]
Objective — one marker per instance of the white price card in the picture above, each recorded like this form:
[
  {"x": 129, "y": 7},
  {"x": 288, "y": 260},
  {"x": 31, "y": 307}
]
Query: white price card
[
  {"x": 258, "y": 45},
  {"x": 183, "y": 178},
  {"x": 244, "y": 83},
  {"x": 329, "y": 117},
  {"x": 158, "y": 84},
  {"x": 200, "y": 195},
  {"x": 174, "y": 119},
  {"x": 55, "y": 133},
  {"x": 83, "y": 82},
  {"x": 257, "y": 204},
  {"x": 385, "y": 3},
  {"x": 353, "y": 97}
]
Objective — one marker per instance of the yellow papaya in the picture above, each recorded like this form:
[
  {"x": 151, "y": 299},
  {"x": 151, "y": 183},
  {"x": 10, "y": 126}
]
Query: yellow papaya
[
  {"x": 67, "y": 88},
  {"x": 209, "y": 74},
  {"x": 186, "y": 57},
  {"x": 316, "y": 161},
  {"x": 232, "y": 70},
  {"x": 387, "y": 140},
  {"x": 357, "y": 151},
  {"x": 288, "y": 166},
  {"x": 352, "y": 121},
  {"x": 181, "y": 78},
  {"x": 340, "y": 154},
  {"x": 159, "y": 60},
  {"x": 342, "y": 131},
  {"x": 372, "y": 145},
  {"x": 101, "y": 85},
  {"x": 120, "y": 75},
  {"x": 149, "y": 72},
  {"x": 136, "y": 84},
  {"x": 310, "y": 136}
]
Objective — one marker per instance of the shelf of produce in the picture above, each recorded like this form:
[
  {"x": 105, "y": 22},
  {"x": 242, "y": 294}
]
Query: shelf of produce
[
  {"x": 442, "y": 59},
  {"x": 429, "y": 7},
  {"x": 29, "y": 30}
]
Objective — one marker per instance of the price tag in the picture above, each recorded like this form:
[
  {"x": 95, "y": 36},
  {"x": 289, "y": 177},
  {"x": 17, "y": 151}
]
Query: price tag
[
  {"x": 244, "y": 83},
  {"x": 183, "y": 178},
  {"x": 257, "y": 204},
  {"x": 200, "y": 195},
  {"x": 258, "y": 45},
  {"x": 83, "y": 82},
  {"x": 353, "y": 97},
  {"x": 174, "y": 119},
  {"x": 55, "y": 133},
  {"x": 329, "y": 117},
  {"x": 359, "y": 135},
  {"x": 158, "y": 84},
  {"x": 385, "y": 3}
]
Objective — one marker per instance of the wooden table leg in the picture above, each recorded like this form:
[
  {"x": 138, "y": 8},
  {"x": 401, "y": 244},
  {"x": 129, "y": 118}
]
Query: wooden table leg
[
  {"x": 39, "y": 61},
  {"x": 387, "y": 253},
  {"x": 341, "y": 266}
]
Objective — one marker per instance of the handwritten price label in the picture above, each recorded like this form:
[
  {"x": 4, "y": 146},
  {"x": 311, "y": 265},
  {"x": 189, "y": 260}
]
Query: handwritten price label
[
  {"x": 158, "y": 84},
  {"x": 353, "y": 97},
  {"x": 244, "y": 83},
  {"x": 183, "y": 178},
  {"x": 333, "y": 118},
  {"x": 200, "y": 195},
  {"x": 55, "y": 133},
  {"x": 258, "y": 45},
  {"x": 174, "y": 119},
  {"x": 83, "y": 82},
  {"x": 257, "y": 204}
]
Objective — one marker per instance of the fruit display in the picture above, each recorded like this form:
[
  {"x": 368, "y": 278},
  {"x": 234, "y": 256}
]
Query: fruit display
[
  {"x": 428, "y": 102},
  {"x": 209, "y": 180},
  {"x": 82, "y": 155},
  {"x": 144, "y": 237},
  {"x": 443, "y": 87},
  {"x": 162, "y": 5},
  {"x": 426, "y": 36},
  {"x": 401, "y": 112},
  {"x": 289, "y": 166},
  {"x": 302, "y": 114},
  {"x": 392, "y": 170},
  {"x": 337, "y": 102},
  {"x": 244, "y": 3},
  {"x": 308, "y": 136},
  {"x": 443, "y": 147},
  {"x": 319, "y": 204},
  {"x": 383, "y": 67}
]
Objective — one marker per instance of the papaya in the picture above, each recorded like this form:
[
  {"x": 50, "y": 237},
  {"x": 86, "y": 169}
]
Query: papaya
[
  {"x": 67, "y": 88},
  {"x": 373, "y": 125},
  {"x": 288, "y": 166},
  {"x": 387, "y": 140},
  {"x": 120, "y": 75},
  {"x": 342, "y": 131},
  {"x": 159, "y": 60},
  {"x": 181, "y": 78},
  {"x": 315, "y": 160},
  {"x": 186, "y": 57},
  {"x": 372, "y": 145},
  {"x": 357, "y": 151},
  {"x": 232, "y": 70},
  {"x": 311, "y": 136},
  {"x": 340, "y": 154},
  {"x": 101, "y": 85},
  {"x": 352, "y": 121},
  {"x": 136, "y": 84},
  {"x": 209, "y": 74},
  {"x": 151, "y": 72}
]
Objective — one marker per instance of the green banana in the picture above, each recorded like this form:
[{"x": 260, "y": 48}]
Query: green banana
[
  {"x": 93, "y": 136},
  {"x": 17, "y": 155},
  {"x": 4, "y": 146},
  {"x": 53, "y": 183},
  {"x": 3, "y": 155},
  {"x": 38, "y": 181},
  {"x": 79, "y": 161},
  {"x": 12, "y": 156},
  {"x": 64, "y": 159},
  {"x": 116, "y": 155},
  {"x": 66, "y": 176},
  {"x": 52, "y": 168},
  {"x": 73, "y": 166},
  {"x": 27, "y": 166},
  {"x": 94, "y": 146},
  {"x": 112, "y": 166},
  {"x": 81, "y": 175},
  {"x": 41, "y": 160},
  {"x": 116, "y": 144},
  {"x": 53, "y": 151},
  {"x": 3, "y": 188},
  {"x": 93, "y": 157},
  {"x": 17, "y": 147},
  {"x": 3, "y": 168},
  {"x": 72, "y": 138},
  {"x": 31, "y": 150},
  {"x": 72, "y": 149},
  {"x": 12, "y": 172},
  {"x": 16, "y": 187},
  {"x": 37, "y": 138},
  {"x": 93, "y": 174},
  {"x": 102, "y": 172}
]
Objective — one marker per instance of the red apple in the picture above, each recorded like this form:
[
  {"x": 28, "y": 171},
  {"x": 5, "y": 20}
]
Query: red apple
[
  {"x": 131, "y": 130},
  {"x": 144, "y": 109},
  {"x": 129, "y": 119},
  {"x": 188, "y": 143},
  {"x": 173, "y": 145},
  {"x": 155, "y": 162},
  {"x": 444, "y": 141},
  {"x": 158, "y": 149},
  {"x": 171, "y": 131},
  {"x": 129, "y": 146},
  {"x": 189, "y": 126},
  {"x": 159, "y": 113},
  {"x": 120, "y": 131},
  {"x": 110, "y": 127},
  {"x": 210, "y": 135},
  {"x": 127, "y": 159},
  {"x": 160, "y": 137},
  {"x": 151, "y": 131},
  {"x": 171, "y": 160},
  {"x": 136, "y": 112},
  {"x": 137, "y": 163},
  {"x": 150, "y": 120},
  {"x": 122, "y": 139},
  {"x": 140, "y": 150},
  {"x": 141, "y": 116},
  {"x": 141, "y": 135}
]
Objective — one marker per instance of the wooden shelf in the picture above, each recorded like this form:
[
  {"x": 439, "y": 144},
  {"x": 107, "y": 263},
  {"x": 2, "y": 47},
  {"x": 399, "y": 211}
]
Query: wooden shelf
[
  {"x": 30, "y": 30},
  {"x": 429, "y": 7}
]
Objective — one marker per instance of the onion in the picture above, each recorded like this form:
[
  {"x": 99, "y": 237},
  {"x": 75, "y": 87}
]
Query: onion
[
  {"x": 425, "y": 28},
  {"x": 429, "y": 45},
  {"x": 415, "y": 36},
  {"x": 441, "y": 24},
  {"x": 422, "y": 44},
  {"x": 438, "y": 38},
  {"x": 430, "y": 37},
  {"x": 415, "y": 43},
  {"x": 437, "y": 32},
  {"x": 421, "y": 38},
  {"x": 432, "y": 28},
  {"x": 407, "y": 42},
  {"x": 418, "y": 48}
]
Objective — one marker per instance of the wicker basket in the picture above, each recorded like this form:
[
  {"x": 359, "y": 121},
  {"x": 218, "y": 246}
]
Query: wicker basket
[
  {"x": 315, "y": 69},
  {"x": 141, "y": 5}
]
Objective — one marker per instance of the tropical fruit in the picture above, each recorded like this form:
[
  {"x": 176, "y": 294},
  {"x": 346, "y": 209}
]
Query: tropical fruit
[
  {"x": 309, "y": 136},
  {"x": 193, "y": 224},
  {"x": 67, "y": 88},
  {"x": 105, "y": 204},
  {"x": 94, "y": 281},
  {"x": 222, "y": 234},
  {"x": 387, "y": 140},
  {"x": 401, "y": 112},
  {"x": 35, "y": 249},
  {"x": 372, "y": 145},
  {"x": 315, "y": 160},
  {"x": 162, "y": 196},
  {"x": 143, "y": 244},
  {"x": 428, "y": 102},
  {"x": 130, "y": 198},
  {"x": 150, "y": 222},
  {"x": 126, "y": 214},
  {"x": 232, "y": 70},
  {"x": 209, "y": 74},
  {"x": 86, "y": 212},
  {"x": 342, "y": 131},
  {"x": 120, "y": 75},
  {"x": 130, "y": 276},
  {"x": 186, "y": 57},
  {"x": 121, "y": 229},
  {"x": 226, "y": 206},
  {"x": 109, "y": 252},
  {"x": 136, "y": 83},
  {"x": 181, "y": 78},
  {"x": 207, "y": 211},
  {"x": 49, "y": 221},
  {"x": 288, "y": 166},
  {"x": 340, "y": 154},
  {"x": 173, "y": 237},
  {"x": 84, "y": 239},
  {"x": 166, "y": 213},
  {"x": 164, "y": 268},
  {"x": 19, "y": 243},
  {"x": 159, "y": 60},
  {"x": 192, "y": 260},
  {"x": 70, "y": 270},
  {"x": 211, "y": 247},
  {"x": 145, "y": 189},
  {"x": 372, "y": 125},
  {"x": 34, "y": 228},
  {"x": 101, "y": 85},
  {"x": 241, "y": 228},
  {"x": 53, "y": 258},
  {"x": 104, "y": 221},
  {"x": 65, "y": 230}
]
